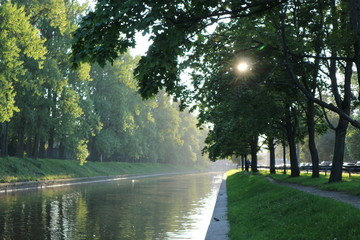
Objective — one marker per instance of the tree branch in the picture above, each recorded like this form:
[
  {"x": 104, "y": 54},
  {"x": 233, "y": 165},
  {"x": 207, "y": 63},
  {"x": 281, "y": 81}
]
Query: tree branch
[
  {"x": 237, "y": 13},
  {"x": 329, "y": 106}
]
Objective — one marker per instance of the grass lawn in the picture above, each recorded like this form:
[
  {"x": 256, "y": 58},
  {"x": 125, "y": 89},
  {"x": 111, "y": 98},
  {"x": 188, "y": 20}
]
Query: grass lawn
[
  {"x": 26, "y": 169},
  {"x": 258, "y": 209},
  {"x": 349, "y": 184}
]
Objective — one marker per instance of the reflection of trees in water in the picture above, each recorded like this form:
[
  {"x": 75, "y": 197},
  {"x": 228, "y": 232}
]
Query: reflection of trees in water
[
  {"x": 38, "y": 215},
  {"x": 143, "y": 209}
]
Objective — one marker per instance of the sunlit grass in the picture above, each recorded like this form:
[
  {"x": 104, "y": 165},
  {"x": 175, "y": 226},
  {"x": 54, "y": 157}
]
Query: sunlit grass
[
  {"x": 232, "y": 172},
  {"x": 258, "y": 209}
]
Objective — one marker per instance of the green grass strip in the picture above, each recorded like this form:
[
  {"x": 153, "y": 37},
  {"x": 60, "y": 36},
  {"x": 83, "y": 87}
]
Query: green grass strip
[
  {"x": 258, "y": 209},
  {"x": 26, "y": 169}
]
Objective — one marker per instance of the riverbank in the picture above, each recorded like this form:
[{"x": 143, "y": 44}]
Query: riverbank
[
  {"x": 259, "y": 209},
  {"x": 14, "y": 170}
]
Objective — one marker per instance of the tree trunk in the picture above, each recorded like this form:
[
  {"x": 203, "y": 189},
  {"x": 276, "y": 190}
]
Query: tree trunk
[
  {"x": 354, "y": 7},
  {"x": 50, "y": 152},
  {"x": 284, "y": 157},
  {"x": 272, "y": 155},
  {"x": 50, "y": 149},
  {"x": 28, "y": 146},
  {"x": 243, "y": 159},
  {"x": 294, "y": 166},
  {"x": 290, "y": 132},
  {"x": 339, "y": 150},
  {"x": 42, "y": 149},
  {"x": 4, "y": 140},
  {"x": 61, "y": 151},
  {"x": 35, "y": 152},
  {"x": 311, "y": 131},
  {"x": 340, "y": 131},
  {"x": 254, "y": 150},
  {"x": 20, "y": 146}
]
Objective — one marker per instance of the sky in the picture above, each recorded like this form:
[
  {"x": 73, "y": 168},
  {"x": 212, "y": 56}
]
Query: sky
[{"x": 142, "y": 45}]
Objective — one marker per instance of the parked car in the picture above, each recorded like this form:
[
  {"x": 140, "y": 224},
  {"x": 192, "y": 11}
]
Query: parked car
[
  {"x": 357, "y": 164},
  {"x": 305, "y": 165},
  {"x": 325, "y": 163},
  {"x": 348, "y": 164}
]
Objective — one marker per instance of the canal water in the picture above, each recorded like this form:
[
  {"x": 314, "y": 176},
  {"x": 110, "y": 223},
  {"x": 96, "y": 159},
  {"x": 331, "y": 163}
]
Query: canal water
[{"x": 167, "y": 207}]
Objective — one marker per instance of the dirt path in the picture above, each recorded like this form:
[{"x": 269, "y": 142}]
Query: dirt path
[{"x": 339, "y": 196}]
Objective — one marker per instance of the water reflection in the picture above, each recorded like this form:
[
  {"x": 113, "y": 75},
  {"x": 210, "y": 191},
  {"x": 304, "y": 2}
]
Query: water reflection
[{"x": 176, "y": 207}]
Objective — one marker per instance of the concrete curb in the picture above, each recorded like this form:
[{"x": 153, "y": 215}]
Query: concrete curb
[{"x": 219, "y": 225}]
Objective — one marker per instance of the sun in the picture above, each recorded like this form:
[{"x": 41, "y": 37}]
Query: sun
[{"x": 242, "y": 67}]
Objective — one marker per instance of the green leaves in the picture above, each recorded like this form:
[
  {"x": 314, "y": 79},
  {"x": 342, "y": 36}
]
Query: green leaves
[
  {"x": 111, "y": 28},
  {"x": 137, "y": 130},
  {"x": 18, "y": 38}
]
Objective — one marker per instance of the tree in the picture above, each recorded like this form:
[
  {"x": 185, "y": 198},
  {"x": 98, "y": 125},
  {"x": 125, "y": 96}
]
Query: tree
[
  {"x": 122, "y": 114},
  {"x": 174, "y": 27},
  {"x": 292, "y": 28},
  {"x": 51, "y": 110},
  {"x": 352, "y": 144},
  {"x": 136, "y": 130},
  {"x": 19, "y": 41},
  {"x": 168, "y": 130},
  {"x": 53, "y": 97},
  {"x": 336, "y": 54},
  {"x": 18, "y": 37},
  {"x": 192, "y": 139}
]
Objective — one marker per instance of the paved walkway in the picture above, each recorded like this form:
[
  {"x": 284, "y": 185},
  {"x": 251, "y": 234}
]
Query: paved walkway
[
  {"x": 219, "y": 225},
  {"x": 339, "y": 196}
]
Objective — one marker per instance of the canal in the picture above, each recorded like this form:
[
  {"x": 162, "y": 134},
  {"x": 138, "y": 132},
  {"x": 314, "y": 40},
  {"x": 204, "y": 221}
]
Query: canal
[{"x": 166, "y": 207}]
